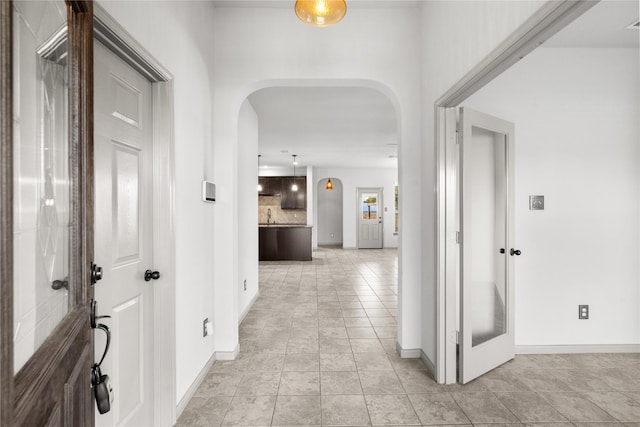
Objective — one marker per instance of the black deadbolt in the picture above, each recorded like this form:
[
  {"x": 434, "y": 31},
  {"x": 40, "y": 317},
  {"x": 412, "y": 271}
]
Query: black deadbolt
[{"x": 515, "y": 252}]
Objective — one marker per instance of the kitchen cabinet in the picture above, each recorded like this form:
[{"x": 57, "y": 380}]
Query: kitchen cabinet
[
  {"x": 279, "y": 243},
  {"x": 294, "y": 199},
  {"x": 271, "y": 185},
  {"x": 281, "y": 185}
]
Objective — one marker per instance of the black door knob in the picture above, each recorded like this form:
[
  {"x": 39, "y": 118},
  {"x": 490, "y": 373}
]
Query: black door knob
[
  {"x": 148, "y": 275},
  {"x": 502, "y": 250},
  {"x": 515, "y": 252}
]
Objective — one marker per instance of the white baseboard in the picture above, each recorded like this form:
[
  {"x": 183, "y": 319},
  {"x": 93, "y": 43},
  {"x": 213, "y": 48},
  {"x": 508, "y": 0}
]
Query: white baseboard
[
  {"x": 431, "y": 367},
  {"x": 249, "y": 307},
  {"x": 228, "y": 355},
  {"x": 192, "y": 390},
  {"x": 408, "y": 353},
  {"x": 584, "y": 348}
]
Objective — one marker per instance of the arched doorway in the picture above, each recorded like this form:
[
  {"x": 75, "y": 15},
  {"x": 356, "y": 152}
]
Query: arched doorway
[{"x": 329, "y": 213}]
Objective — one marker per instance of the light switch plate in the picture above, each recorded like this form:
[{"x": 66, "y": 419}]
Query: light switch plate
[
  {"x": 208, "y": 192},
  {"x": 536, "y": 203}
]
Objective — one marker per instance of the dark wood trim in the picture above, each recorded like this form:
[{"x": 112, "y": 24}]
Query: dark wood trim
[
  {"x": 36, "y": 378},
  {"x": 6, "y": 214}
]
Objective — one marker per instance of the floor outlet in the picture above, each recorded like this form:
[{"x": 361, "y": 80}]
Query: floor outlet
[{"x": 583, "y": 312}]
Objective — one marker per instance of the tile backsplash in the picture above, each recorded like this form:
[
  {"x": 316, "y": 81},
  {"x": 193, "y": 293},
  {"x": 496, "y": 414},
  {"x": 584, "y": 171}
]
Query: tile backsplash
[{"x": 279, "y": 215}]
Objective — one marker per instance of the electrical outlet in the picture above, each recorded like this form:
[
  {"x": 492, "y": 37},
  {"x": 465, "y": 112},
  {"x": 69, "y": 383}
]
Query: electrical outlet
[
  {"x": 245, "y": 284},
  {"x": 204, "y": 327},
  {"x": 583, "y": 311}
]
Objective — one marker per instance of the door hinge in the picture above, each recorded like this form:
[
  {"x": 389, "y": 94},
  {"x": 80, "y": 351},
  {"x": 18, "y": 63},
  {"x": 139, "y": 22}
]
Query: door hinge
[
  {"x": 457, "y": 337},
  {"x": 458, "y": 136},
  {"x": 458, "y": 237}
]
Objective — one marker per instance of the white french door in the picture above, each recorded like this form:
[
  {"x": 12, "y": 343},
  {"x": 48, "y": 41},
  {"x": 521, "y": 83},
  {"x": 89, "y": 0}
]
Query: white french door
[{"x": 487, "y": 244}]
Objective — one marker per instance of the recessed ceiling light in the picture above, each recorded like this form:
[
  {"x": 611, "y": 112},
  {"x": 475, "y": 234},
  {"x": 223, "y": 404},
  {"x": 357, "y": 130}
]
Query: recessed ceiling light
[
  {"x": 284, "y": 151},
  {"x": 393, "y": 156}
]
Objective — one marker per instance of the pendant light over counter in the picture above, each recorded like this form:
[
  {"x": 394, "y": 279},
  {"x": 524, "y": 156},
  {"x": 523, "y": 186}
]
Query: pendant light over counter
[
  {"x": 294, "y": 187},
  {"x": 329, "y": 185},
  {"x": 321, "y": 13}
]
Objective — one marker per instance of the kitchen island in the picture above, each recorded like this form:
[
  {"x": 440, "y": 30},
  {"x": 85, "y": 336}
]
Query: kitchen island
[{"x": 284, "y": 242}]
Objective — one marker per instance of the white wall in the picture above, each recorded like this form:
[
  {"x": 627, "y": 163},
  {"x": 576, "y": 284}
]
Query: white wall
[
  {"x": 178, "y": 35},
  {"x": 247, "y": 208},
  {"x": 578, "y": 144},
  {"x": 329, "y": 215},
  {"x": 456, "y": 35},
  {"x": 351, "y": 179},
  {"x": 261, "y": 47}
]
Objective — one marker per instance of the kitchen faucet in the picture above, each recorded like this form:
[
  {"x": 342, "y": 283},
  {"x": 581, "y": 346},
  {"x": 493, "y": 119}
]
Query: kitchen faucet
[{"x": 268, "y": 215}]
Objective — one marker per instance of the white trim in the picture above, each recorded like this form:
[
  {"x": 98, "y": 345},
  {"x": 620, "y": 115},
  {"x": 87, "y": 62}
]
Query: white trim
[
  {"x": 249, "y": 307},
  {"x": 194, "y": 386},
  {"x": 408, "y": 353},
  {"x": 122, "y": 44},
  {"x": 578, "y": 348},
  {"x": 431, "y": 367},
  {"x": 545, "y": 22},
  {"x": 228, "y": 355}
]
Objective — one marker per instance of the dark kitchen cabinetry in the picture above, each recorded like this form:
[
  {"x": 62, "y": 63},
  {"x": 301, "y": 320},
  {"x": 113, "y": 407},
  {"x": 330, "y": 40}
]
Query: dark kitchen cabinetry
[
  {"x": 294, "y": 199},
  {"x": 281, "y": 186},
  {"x": 271, "y": 185},
  {"x": 284, "y": 243}
]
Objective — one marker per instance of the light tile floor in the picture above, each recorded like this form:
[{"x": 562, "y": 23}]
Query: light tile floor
[{"x": 318, "y": 348}]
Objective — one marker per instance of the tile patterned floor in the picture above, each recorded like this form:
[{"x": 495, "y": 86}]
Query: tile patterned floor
[{"x": 318, "y": 348}]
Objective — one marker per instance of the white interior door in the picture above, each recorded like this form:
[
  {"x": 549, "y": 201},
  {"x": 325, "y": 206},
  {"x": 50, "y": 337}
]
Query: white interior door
[
  {"x": 370, "y": 218},
  {"x": 123, "y": 236},
  {"x": 486, "y": 225}
]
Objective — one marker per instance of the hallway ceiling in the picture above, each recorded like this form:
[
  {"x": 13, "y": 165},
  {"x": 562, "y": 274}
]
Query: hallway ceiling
[
  {"x": 326, "y": 127},
  {"x": 602, "y": 26},
  {"x": 357, "y": 127}
]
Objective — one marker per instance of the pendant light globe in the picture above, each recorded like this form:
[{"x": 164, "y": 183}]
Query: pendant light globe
[{"x": 321, "y": 13}]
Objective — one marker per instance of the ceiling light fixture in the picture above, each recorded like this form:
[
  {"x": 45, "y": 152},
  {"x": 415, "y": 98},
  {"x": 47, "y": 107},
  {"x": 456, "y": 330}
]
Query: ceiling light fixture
[
  {"x": 294, "y": 187},
  {"x": 329, "y": 185},
  {"x": 321, "y": 13},
  {"x": 259, "y": 188}
]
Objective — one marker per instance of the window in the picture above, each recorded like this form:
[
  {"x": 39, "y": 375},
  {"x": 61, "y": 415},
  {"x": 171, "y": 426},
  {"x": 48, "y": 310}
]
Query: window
[{"x": 395, "y": 193}]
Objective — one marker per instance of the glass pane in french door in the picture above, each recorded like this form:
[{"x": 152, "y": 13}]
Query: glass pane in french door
[
  {"x": 489, "y": 234},
  {"x": 41, "y": 173}
]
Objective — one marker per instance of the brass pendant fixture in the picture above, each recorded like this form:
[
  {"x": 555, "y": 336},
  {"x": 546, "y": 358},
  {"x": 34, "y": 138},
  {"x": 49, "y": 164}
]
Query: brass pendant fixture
[
  {"x": 329, "y": 185},
  {"x": 321, "y": 13}
]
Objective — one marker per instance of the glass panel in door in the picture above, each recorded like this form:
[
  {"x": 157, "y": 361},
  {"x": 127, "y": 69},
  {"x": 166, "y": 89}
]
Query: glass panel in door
[
  {"x": 369, "y": 205},
  {"x": 41, "y": 174},
  {"x": 488, "y": 234}
]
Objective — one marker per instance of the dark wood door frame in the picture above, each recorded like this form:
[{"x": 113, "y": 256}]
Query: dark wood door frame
[{"x": 53, "y": 388}]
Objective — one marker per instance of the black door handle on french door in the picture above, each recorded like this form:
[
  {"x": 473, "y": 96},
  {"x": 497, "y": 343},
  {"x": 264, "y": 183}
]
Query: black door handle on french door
[
  {"x": 148, "y": 275},
  {"x": 515, "y": 252}
]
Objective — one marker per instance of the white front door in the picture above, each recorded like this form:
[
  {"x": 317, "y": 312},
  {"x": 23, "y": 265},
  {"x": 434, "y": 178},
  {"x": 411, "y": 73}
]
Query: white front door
[
  {"x": 369, "y": 218},
  {"x": 487, "y": 250},
  {"x": 123, "y": 236}
]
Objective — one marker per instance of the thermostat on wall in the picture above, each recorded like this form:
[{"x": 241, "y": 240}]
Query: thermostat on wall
[{"x": 208, "y": 192}]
